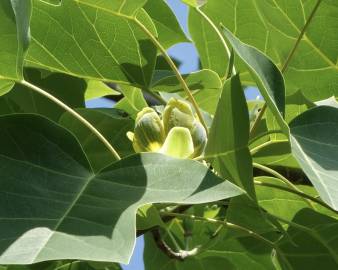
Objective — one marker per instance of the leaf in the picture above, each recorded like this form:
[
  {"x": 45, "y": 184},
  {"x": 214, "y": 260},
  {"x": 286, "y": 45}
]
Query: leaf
[
  {"x": 243, "y": 253},
  {"x": 207, "y": 99},
  {"x": 68, "y": 89},
  {"x": 195, "y": 3},
  {"x": 314, "y": 144},
  {"x": 278, "y": 202},
  {"x": 211, "y": 51},
  {"x": 200, "y": 80},
  {"x": 126, "y": 7},
  {"x": 273, "y": 27},
  {"x": 222, "y": 252},
  {"x": 54, "y": 207},
  {"x": 14, "y": 37},
  {"x": 277, "y": 154},
  {"x": 316, "y": 245},
  {"x": 148, "y": 217},
  {"x": 267, "y": 76},
  {"x": 112, "y": 125},
  {"x": 93, "y": 40},
  {"x": 227, "y": 148},
  {"x": 331, "y": 101},
  {"x": 97, "y": 89},
  {"x": 168, "y": 29},
  {"x": 133, "y": 101},
  {"x": 5, "y": 86}
]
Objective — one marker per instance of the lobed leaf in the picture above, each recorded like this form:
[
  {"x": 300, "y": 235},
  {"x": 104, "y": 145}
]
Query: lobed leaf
[{"x": 53, "y": 206}]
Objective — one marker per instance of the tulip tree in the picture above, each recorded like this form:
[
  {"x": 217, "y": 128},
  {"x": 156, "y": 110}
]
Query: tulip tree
[{"x": 210, "y": 179}]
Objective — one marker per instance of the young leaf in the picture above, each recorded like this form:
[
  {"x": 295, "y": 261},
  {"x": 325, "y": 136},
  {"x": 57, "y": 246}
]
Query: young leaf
[
  {"x": 14, "y": 37},
  {"x": 53, "y": 206},
  {"x": 266, "y": 74},
  {"x": 98, "y": 89},
  {"x": 227, "y": 147},
  {"x": 314, "y": 144},
  {"x": 133, "y": 101}
]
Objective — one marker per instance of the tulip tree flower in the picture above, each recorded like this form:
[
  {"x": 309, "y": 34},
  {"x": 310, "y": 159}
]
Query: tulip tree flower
[{"x": 178, "y": 134}]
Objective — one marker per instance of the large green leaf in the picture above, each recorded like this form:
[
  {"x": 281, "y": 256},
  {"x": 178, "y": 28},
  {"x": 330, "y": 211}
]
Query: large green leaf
[
  {"x": 227, "y": 147},
  {"x": 54, "y": 207},
  {"x": 314, "y": 144},
  {"x": 200, "y": 80},
  {"x": 21, "y": 99},
  {"x": 14, "y": 37},
  {"x": 111, "y": 124},
  {"x": 94, "y": 40},
  {"x": 273, "y": 27},
  {"x": 267, "y": 77},
  {"x": 168, "y": 28}
]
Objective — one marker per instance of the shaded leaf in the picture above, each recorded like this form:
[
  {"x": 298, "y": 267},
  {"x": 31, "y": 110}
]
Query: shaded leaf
[
  {"x": 21, "y": 99},
  {"x": 148, "y": 217},
  {"x": 276, "y": 154},
  {"x": 316, "y": 245},
  {"x": 111, "y": 124},
  {"x": 54, "y": 207},
  {"x": 5, "y": 86}
]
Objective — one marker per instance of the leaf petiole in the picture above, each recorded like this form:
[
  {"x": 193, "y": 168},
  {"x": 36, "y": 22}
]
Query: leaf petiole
[{"x": 75, "y": 114}]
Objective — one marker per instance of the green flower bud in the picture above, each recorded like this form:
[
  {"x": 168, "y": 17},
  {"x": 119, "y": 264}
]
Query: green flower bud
[
  {"x": 178, "y": 113},
  {"x": 199, "y": 137},
  {"x": 149, "y": 133},
  {"x": 178, "y": 143}
]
